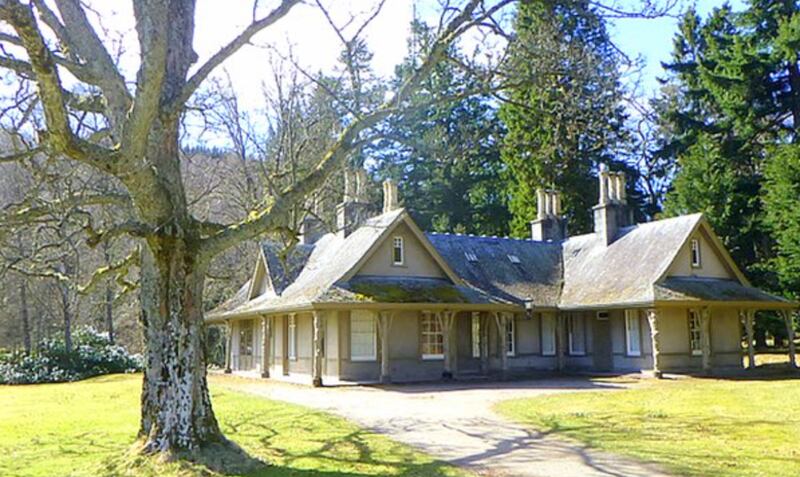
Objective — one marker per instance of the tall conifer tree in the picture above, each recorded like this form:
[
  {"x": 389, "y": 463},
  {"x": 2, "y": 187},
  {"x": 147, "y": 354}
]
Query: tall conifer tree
[{"x": 566, "y": 116}]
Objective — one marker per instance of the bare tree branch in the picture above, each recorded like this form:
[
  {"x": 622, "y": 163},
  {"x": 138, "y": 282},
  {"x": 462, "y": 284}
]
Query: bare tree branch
[
  {"x": 59, "y": 135},
  {"x": 274, "y": 216},
  {"x": 223, "y": 54}
]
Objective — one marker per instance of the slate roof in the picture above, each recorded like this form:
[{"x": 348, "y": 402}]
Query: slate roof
[
  {"x": 581, "y": 272},
  {"x": 625, "y": 271},
  {"x": 536, "y": 278},
  {"x": 688, "y": 289}
]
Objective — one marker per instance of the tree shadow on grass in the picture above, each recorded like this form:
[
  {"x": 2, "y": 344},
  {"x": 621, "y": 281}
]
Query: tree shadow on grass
[{"x": 317, "y": 446}]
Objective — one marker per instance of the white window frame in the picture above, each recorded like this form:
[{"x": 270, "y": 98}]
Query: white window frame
[
  {"x": 696, "y": 256},
  {"x": 695, "y": 328},
  {"x": 511, "y": 336},
  {"x": 571, "y": 320},
  {"x": 292, "y": 338},
  {"x": 364, "y": 315},
  {"x": 475, "y": 327},
  {"x": 548, "y": 335},
  {"x": 398, "y": 244},
  {"x": 632, "y": 317},
  {"x": 423, "y": 333}
]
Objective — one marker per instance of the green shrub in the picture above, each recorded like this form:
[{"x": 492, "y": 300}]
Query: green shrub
[{"x": 91, "y": 355}]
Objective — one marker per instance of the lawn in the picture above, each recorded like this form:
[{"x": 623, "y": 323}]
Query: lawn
[
  {"x": 693, "y": 427},
  {"x": 78, "y": 429}
]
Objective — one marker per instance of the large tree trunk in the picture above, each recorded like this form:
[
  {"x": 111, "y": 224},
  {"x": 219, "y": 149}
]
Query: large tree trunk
[{"x": 176, "y": 409}]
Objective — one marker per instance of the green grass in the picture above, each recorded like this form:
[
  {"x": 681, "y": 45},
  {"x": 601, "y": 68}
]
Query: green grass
[
  {"x": 691, "y": 427},
  {"x": 76, "y": 429}
]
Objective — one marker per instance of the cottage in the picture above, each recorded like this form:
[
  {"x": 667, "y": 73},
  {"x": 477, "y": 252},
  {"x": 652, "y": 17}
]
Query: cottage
[{"x": 380, "y": 300}]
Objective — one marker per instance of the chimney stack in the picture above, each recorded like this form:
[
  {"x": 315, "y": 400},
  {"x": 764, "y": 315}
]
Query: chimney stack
[
  {"x": 354, "y": 209},
  {"x": 390, "y": 196},
  {"x": 549, "y": 224},
  {"x": 611, "y": 213}
]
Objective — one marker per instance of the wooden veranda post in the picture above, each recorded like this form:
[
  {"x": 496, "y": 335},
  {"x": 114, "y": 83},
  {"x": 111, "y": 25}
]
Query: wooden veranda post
[
  {"x": 705, "y": 338},
  {"x": 384, "y": 328},
  {"x": 655, "y": 337},
  {"x": 228, "y": 346},
  {"x": 317, "y": 337},
  {"x": 787, "y": 318},
  {"x": 749, "y": 319},
  {"x": 484, "y": 342},
  {"x": 446, "y": 320},
  {"x": 266, "y": 338},
  {"x": 501, "y": 318},
  {"x": 561, "y": 341}
]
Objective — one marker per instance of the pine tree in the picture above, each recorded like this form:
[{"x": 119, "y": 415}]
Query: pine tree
[
  {"x": 445, "y": 153},
  {"x": 565, "y": 117},
  {"x": 738, "y": 98}
]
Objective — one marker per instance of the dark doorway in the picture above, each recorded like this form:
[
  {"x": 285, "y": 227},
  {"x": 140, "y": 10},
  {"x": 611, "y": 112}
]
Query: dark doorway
[{"x": 601, "y": 342}]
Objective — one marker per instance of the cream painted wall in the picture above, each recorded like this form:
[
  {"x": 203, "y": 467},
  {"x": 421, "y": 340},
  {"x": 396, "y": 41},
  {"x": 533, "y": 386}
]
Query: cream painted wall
[
  {"x": 712, "y": 264},
  {"x": 418, "y": 261},
  {"x": 725, "y": 339}
]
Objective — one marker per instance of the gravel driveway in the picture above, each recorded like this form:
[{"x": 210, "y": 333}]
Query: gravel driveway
[{"x": 455, "y": 423}]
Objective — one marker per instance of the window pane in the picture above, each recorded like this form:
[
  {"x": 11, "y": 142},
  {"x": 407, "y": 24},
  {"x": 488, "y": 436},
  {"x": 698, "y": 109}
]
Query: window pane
[
  {"x": 432, "y": 336},
  {"x": 476, "y": 335},
  {"x": 694, "y": 333},
  {"x": 362, "y": 335},
  {"x": 632, "y": 333},
  {"x": 292, "y": 338},
  {"x": 511, "y": 348},
  {"x": 577, "y": 339},
  {"x": 397, "y": 253}
]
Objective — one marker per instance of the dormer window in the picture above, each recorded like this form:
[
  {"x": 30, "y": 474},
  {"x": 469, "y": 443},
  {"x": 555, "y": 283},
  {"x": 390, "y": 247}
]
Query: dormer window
[
  {"x": 398, "y": 251},
  {"x": 696, "y": 253},
  {"x": 513, "y": 259}
]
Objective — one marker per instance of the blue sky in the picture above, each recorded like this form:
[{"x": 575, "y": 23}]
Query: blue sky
[{"x": 652, "y": 40}]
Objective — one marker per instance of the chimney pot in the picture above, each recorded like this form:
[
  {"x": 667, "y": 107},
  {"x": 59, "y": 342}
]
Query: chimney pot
[
  {"x": 621, "y": 186},
  {"x": 390, "y": 196},
  {"x": 549, "y": 225},
  {"x": 541, "y": 197},
  {"x": 603, "y": 177}
]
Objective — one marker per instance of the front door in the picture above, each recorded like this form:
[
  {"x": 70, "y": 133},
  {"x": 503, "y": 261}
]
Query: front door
[{"x": 601, "y": 342}]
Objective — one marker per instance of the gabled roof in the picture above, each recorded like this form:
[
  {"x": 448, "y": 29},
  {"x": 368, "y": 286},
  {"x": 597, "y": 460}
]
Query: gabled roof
[
  {"x": 320, "y": 273},
  {"x": 516, "y": 271},
  {"x": 624, "y": 272}
]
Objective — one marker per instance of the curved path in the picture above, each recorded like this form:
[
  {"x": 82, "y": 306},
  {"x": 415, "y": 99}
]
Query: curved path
[{"x": 454, "y": 422}]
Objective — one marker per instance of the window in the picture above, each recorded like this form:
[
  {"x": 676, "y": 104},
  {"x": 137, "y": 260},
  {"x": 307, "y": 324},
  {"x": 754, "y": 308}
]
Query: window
[
  {"x": 511, "y": 346},
  {"x": 432, "y": 337},
  {"x": 245, "y": 345},
  {"x": 633, "y": 337},
  {"x": 398, "y": 251},
  {"x": 695, "y": 343},
  {"x": 292, "y": 338},
  {"x": 577, "y": 335},
  {"x": 548, "y": 335},
  {"x": 363, "y": 342},
  {"x": 513, "y": 259},
  {"x": 476, "y": 335},
  {"x": 471, "y": 257},
  {"x": 696, "y": 254}
]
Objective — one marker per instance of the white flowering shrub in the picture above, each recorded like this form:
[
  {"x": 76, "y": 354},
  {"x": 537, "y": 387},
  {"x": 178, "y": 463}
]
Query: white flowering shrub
[{"x": 91, "y": 355}]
